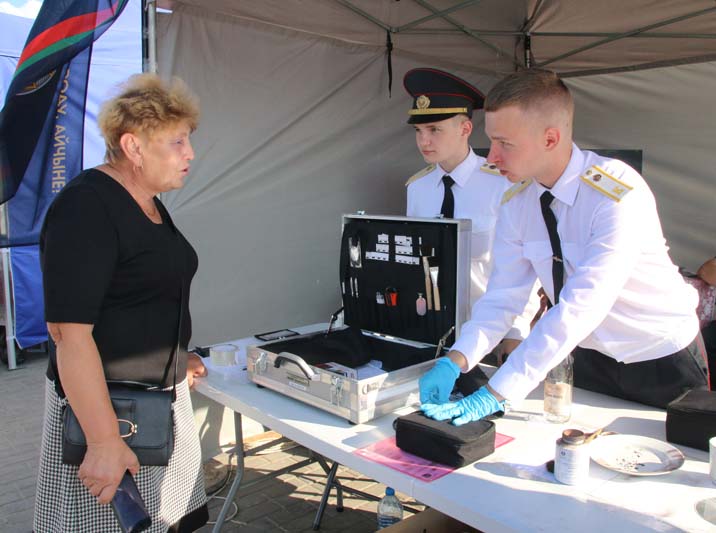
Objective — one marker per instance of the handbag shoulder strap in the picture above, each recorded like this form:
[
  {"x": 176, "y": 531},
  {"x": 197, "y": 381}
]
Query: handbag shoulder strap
[{"x": 175, "y": 351}]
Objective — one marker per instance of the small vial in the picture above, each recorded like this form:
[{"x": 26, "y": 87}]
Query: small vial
[
  {"x": 421, "y": 305},
  {"x": 379, "y": 299}
]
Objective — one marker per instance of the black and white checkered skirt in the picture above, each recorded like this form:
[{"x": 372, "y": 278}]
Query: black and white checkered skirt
[{"x": 170, "y": 492}]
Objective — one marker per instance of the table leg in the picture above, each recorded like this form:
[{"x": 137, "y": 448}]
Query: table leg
[
  {"x": 332, "y": 481},
  {"x": 239, "y": 451},
  {"x": 326, "y": 492}
]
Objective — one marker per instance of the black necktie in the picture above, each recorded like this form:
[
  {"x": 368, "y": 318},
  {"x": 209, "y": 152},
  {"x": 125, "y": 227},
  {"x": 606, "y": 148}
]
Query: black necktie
[
  {"x": 448, "y": 208},
  {"x": 557, "y": 263}
]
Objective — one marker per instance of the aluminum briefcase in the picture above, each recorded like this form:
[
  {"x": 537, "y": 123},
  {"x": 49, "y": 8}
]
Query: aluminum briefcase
[{"x": 404, "y": 284}]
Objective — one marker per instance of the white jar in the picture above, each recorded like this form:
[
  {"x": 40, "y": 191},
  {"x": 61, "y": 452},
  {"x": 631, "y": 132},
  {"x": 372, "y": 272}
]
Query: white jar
[{"x": 571, "y": 458}]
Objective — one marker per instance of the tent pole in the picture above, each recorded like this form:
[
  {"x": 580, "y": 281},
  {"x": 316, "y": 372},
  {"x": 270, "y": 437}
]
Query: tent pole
[
  {"x": 435, "y": 14},
  {"x": 149, "y": 21},
  {"x": 9, "y": 322},
  {"x": 466, "y": 30},
  {"x": 627, "y": 34}
]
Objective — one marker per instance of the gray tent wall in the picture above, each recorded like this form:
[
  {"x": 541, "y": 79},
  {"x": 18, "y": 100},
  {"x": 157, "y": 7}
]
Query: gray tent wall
[
  {"x": 295, "y": 131},
  {"x": 298, "y": 129},
  {"x": 669, "y": 114}
]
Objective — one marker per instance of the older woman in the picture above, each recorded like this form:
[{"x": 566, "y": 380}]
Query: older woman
[{"x": 114, "y": 267}]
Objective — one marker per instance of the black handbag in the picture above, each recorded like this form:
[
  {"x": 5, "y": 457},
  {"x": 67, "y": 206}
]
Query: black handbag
[
  {"x": 144, "y": 413},
  {"x": 145, "y": 421}
]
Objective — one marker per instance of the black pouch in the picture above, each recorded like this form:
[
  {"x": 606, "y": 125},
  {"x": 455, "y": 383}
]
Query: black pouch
[
  {"x": 469, "y": 382},
  {"x": 691, "y": 419},
  {"x": 443, "y": 442}
]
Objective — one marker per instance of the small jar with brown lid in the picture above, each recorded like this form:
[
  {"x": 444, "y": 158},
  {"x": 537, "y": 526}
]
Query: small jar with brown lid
[{"x": 571, "y": 458}]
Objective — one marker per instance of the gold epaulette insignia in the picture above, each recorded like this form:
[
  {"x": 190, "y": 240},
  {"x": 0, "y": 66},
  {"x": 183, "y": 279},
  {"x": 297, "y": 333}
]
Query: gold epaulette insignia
[
  {"x": 490, "y": 169},
  {"x": 424, "y": 172},
  {"x": 515, "y": 190},
  {"x": 605, "y": 183}
]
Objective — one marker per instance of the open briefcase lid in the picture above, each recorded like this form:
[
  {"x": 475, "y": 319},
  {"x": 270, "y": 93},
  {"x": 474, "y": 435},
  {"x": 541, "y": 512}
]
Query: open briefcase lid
[{"x": 406, "y": 277}]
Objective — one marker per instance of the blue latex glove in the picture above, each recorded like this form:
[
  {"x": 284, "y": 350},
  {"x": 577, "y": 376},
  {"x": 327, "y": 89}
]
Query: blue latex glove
[
  {"x": 437, "y": 383},
  {"x": 474, "y": 407}
]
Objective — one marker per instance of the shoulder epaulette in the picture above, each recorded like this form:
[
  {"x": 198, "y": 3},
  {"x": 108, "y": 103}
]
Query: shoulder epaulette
[
  {"x": 605, "y": 183},
  {"x": 424, "y": 172},
  {"x": 490, "y": 169},
  {"x": 515, "y": 190}
]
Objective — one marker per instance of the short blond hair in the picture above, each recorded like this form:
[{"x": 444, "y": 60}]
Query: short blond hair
[
  {"x": 533, "y": 89},
  {"x": 145, "y": 104}
]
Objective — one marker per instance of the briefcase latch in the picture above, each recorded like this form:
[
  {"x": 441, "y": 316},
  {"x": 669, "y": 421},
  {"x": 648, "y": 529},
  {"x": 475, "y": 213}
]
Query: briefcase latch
[
  {"x": 261, "y": 363},
  {"x": 336, "y": 390}
]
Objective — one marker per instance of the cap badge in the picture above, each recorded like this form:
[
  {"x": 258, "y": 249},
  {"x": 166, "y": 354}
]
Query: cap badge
[{"x": 422, "y": 102}]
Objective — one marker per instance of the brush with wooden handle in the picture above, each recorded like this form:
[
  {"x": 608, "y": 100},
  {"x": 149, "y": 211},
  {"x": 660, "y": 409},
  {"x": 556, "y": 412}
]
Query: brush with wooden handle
[
  {"x": 428, "y": 284},
  {"x": 434, "y": 271}
]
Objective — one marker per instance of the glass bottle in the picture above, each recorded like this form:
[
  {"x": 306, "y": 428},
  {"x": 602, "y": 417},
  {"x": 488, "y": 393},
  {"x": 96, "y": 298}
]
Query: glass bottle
[{"x": 558, "y": 392}]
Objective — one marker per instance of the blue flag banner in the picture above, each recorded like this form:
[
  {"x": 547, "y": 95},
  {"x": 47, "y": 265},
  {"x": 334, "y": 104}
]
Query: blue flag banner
[
  {"x": 30, "y": 326},
  {"x": 71, "y": 144},
  {"x": 57, "y": 157},
  {"x": 41, "y": 124}
]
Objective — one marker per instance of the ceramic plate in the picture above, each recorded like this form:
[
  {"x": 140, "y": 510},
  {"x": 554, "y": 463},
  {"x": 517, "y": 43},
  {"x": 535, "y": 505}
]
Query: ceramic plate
[{"x": 636, "y": 455}]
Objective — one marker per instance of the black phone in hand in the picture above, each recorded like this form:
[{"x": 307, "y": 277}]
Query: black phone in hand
[{"x": 129, "y": 507}]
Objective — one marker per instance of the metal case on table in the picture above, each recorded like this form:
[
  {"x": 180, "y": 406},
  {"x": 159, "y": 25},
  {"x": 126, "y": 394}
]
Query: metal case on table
[{"x": 360, "y": 400}]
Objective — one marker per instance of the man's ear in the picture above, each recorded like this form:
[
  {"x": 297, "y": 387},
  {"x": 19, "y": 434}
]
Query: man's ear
[
  {"x": 131, "y": 146},
  {"x": 466, "y": 128},
  {"x": 552, "y": 136}
]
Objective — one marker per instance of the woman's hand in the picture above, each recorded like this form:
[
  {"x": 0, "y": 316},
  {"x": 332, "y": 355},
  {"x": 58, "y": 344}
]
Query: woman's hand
[
  {"x": 194, "y": 369},
  {"x": 104, "y": 465}
]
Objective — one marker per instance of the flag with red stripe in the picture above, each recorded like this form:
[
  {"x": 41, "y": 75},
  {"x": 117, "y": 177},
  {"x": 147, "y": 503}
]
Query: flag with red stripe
[{"x": 40, "y": 94}]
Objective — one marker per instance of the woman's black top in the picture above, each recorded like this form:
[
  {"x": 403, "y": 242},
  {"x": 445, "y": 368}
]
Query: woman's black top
[{"x": 105, "y": 263}]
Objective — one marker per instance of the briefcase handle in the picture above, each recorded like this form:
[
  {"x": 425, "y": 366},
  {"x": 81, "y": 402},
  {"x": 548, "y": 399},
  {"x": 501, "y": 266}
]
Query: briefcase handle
[{"x": 298, "y": 361}]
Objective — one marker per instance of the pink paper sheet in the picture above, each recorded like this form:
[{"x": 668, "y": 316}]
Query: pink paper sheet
[{"x": 385, "y": 452}]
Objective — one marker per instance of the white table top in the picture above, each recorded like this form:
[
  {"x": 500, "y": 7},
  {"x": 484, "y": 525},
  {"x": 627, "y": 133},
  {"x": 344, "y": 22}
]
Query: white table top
[{"x": 510, "y": 490}]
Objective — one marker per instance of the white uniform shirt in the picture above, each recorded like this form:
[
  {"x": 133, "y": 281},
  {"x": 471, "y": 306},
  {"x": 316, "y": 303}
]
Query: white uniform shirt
[
  {"x": 622, "y": 295},
  {"x": 477, "y": 197}
]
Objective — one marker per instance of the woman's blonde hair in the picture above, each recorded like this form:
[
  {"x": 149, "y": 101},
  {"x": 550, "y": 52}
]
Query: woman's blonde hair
[{"x": 145, "y": 104}]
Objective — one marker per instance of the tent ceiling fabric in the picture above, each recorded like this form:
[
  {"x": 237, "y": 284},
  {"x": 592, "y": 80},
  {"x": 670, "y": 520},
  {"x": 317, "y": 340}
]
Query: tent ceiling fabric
[{"x": 573, "y": 37}]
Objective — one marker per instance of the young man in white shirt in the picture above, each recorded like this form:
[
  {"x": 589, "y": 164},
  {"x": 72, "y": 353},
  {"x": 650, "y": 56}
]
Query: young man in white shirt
[
  {"x": 457, "y": 183},
  {"x": 623, "y": 307}
]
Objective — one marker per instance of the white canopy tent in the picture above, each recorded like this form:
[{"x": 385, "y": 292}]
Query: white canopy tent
[{"x": 298, "y": 125}]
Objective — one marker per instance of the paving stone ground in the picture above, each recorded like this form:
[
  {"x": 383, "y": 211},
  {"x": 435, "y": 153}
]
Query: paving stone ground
[
  {"x": 287, "y": 503},
  {"x": 22, "y": 402}
]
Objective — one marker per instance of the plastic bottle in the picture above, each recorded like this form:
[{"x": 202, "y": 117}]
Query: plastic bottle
[
  {"x": 558, "y": 392},
  {"x": 390, "y": 509},
  {"x": 421, "y": 305}
]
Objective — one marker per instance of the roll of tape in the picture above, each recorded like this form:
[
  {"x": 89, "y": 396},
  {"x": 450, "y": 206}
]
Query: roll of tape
[{"x": 223, "y": 354}]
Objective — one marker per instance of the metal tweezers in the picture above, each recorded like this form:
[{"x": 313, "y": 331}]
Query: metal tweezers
[
  {"x": 332, "y": 321},
  {"x": 442, "y": 341}
]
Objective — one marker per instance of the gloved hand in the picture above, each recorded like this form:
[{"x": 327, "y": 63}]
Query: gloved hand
[
  {"x": 437, "y": 383},
  {"x": 474, "y": 407}
]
